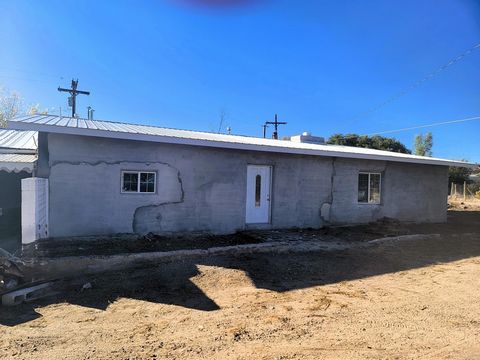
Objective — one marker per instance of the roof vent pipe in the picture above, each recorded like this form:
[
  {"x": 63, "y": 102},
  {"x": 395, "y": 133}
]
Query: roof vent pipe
[{"x": 90, "y": 113}]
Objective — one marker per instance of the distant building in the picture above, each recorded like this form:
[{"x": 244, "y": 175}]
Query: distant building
[{"x": 17, "y": 157}]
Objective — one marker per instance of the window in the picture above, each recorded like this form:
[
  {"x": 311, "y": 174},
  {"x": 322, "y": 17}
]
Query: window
[
  {"x": 258, "y": 189},
  {"x": 138, "y": 182},
  {"x": 369, "y": 188}
]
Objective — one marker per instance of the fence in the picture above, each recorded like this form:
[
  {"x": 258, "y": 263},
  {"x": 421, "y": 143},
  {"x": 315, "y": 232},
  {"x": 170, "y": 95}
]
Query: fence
[{"x": 463, "y": 191}]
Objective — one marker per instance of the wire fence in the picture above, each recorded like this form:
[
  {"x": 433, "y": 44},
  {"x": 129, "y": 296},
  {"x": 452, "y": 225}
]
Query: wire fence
[{"x": 464, "y": 191}]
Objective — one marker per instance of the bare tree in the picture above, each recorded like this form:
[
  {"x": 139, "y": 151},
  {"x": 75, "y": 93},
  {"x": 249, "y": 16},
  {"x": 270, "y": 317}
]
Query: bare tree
[{"x": 10, "y": 105}]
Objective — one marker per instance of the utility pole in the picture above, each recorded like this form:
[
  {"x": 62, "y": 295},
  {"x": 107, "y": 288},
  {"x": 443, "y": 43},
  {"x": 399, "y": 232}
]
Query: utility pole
[
  {"x": 275, "y": 123},
  {"x": 72, "y": 101}
]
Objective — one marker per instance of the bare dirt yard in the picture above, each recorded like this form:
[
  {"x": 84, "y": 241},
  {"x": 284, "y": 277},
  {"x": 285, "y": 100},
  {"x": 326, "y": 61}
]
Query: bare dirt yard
[{"x": 409, "y": 299}]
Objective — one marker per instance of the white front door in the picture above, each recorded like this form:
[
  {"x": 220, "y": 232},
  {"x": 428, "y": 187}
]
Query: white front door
[{"x": 258, "y": 194}]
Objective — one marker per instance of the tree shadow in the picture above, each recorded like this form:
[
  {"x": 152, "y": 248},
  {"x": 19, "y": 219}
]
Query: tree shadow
[
  {"x": 163, "y": 283},
  {"x": 291, "y": 271},
  {"x": 23, "y": 313},
  {"x": 150, "y": 287}
]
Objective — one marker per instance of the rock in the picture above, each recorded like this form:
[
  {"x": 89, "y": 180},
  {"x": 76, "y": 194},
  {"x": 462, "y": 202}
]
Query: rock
[
  {"x": 10, "y": 284},
  {"x": 86, "y": 286}
]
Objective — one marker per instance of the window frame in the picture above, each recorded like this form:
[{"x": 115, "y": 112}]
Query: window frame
[
  {"x": 138, "y": 173},
  {"x": 368, "y": 202}
]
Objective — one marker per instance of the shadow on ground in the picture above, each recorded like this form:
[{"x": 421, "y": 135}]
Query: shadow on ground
[{"x": 170, "y": 283}]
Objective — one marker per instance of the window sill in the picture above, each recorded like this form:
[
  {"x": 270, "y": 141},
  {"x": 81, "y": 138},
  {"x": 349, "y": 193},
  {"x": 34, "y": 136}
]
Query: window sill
[{"x": 137, "y": 193}]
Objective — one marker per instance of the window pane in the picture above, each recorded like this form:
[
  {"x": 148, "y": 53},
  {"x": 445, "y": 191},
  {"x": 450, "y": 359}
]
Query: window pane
[
  {"x": 374, "y": 188},
  {"x": 258, "y": 186},
  {"x": 130, "y": 182},
  {"x": 362, "y": 187},
  {"x": 147, "y": 182}
]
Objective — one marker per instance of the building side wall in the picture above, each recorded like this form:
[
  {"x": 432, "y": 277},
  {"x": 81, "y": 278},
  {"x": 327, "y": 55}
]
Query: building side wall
[
  {"x": 204, "y": 189},
  {"x": 410, "y": 192},
  {"x": 198, "y": 189}
]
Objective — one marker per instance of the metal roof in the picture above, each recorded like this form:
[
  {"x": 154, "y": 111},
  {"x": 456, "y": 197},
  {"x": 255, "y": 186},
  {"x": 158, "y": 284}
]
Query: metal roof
[
  {"x": 17, "y": 162},
  {"x": 13, "y": 139},
  {"x": 116, "y": 130}
]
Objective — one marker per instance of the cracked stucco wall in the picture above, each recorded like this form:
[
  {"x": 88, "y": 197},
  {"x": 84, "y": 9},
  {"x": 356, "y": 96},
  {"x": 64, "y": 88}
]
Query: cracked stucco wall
[
  {"x": 198, "y": 189},
  {"x": 204, "y": 189}
]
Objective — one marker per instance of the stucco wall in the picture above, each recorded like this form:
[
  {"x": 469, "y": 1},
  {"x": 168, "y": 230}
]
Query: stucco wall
[
  {"x": 203, "y": 189},
  {"x": 410, "y": 192}
]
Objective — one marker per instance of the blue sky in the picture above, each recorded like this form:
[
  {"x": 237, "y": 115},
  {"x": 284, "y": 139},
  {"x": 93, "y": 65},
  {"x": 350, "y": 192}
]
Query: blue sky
[{"x": 321, "y": 65}]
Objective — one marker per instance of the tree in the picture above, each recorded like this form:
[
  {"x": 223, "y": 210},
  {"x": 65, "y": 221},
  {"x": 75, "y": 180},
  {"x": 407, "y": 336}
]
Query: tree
[
  {"x": 10, "y": 105},
  {"x": 459, "y": 174},
  {"x": 33, "y": 110},
  {"x": 364, "y": 141},
  {"x": 423, "y": 144}
]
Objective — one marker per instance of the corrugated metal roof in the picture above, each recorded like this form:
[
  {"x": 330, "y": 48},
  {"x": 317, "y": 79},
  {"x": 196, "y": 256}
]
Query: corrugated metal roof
[
  {"x": 18, "y": 158},
  {"x": 17, "y": 162},
  {"x": 108, "y": 129},
  {"x": 14, "y": 139}
]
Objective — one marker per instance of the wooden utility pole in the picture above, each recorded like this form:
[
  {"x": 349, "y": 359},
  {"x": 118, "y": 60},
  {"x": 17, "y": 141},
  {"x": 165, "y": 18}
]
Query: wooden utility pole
[
  {"x": 275, "y": 123},
  {"x": 72, "y": 100}
]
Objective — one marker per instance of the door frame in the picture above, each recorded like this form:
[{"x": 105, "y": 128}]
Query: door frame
[{"x": 270, "y": 193}]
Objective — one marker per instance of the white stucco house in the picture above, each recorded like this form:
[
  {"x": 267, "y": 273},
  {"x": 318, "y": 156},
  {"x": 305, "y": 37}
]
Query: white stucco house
[{"x": 96, "y": 177}]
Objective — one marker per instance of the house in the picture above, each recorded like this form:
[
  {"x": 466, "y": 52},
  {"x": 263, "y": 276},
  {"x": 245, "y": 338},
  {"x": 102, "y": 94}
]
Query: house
[
  {"x": 17, "y": 158},
  {"x": 97, "y": 177}
]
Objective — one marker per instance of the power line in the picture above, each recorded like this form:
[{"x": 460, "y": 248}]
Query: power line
[
  {"x": 19, "y": 78},
  {"x": 416, "y": 127},
  {"x": 426, "y": 126},
  {"x": 421, "y": 81},
  {"x": 30, "y": 72}
]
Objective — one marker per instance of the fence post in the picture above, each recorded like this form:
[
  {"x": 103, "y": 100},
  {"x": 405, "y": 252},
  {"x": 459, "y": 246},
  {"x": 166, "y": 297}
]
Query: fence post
[{"x": 464, "y": 190}]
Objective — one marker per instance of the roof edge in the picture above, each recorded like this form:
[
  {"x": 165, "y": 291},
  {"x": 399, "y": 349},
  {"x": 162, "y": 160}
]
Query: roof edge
[{"x": 19, "y": 125}]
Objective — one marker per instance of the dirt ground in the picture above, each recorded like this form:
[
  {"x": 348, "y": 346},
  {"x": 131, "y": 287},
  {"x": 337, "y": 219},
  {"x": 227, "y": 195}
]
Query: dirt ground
[
  {"x": 396, "y": 300},
  {"x": 461, "y": 219}
]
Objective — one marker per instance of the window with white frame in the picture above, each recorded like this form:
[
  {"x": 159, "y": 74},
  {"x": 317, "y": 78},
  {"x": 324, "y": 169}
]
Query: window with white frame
[
  {"x": 138, "y": 182},
  {"x": 369, "y": 187}
]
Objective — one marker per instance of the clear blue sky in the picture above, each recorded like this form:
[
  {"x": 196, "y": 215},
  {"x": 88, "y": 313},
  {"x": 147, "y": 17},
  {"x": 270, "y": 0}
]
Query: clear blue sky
[{"x": 319, "y": 64}]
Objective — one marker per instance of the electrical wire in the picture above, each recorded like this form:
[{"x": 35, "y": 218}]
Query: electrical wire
[
  {"x": 426, "y": 126},
  {"x": 420, "y": 82},
  {"x": 415, "y": 127}
]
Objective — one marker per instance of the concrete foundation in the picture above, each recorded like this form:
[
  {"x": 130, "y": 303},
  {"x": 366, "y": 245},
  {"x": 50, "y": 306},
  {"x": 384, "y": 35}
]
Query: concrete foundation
[{"x": 204, "y": 189}]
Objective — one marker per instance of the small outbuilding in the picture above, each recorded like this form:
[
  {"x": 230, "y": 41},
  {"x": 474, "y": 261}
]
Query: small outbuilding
[
  {"x": 17, "y": 158},
  {"x": 99, "y": 177}
]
